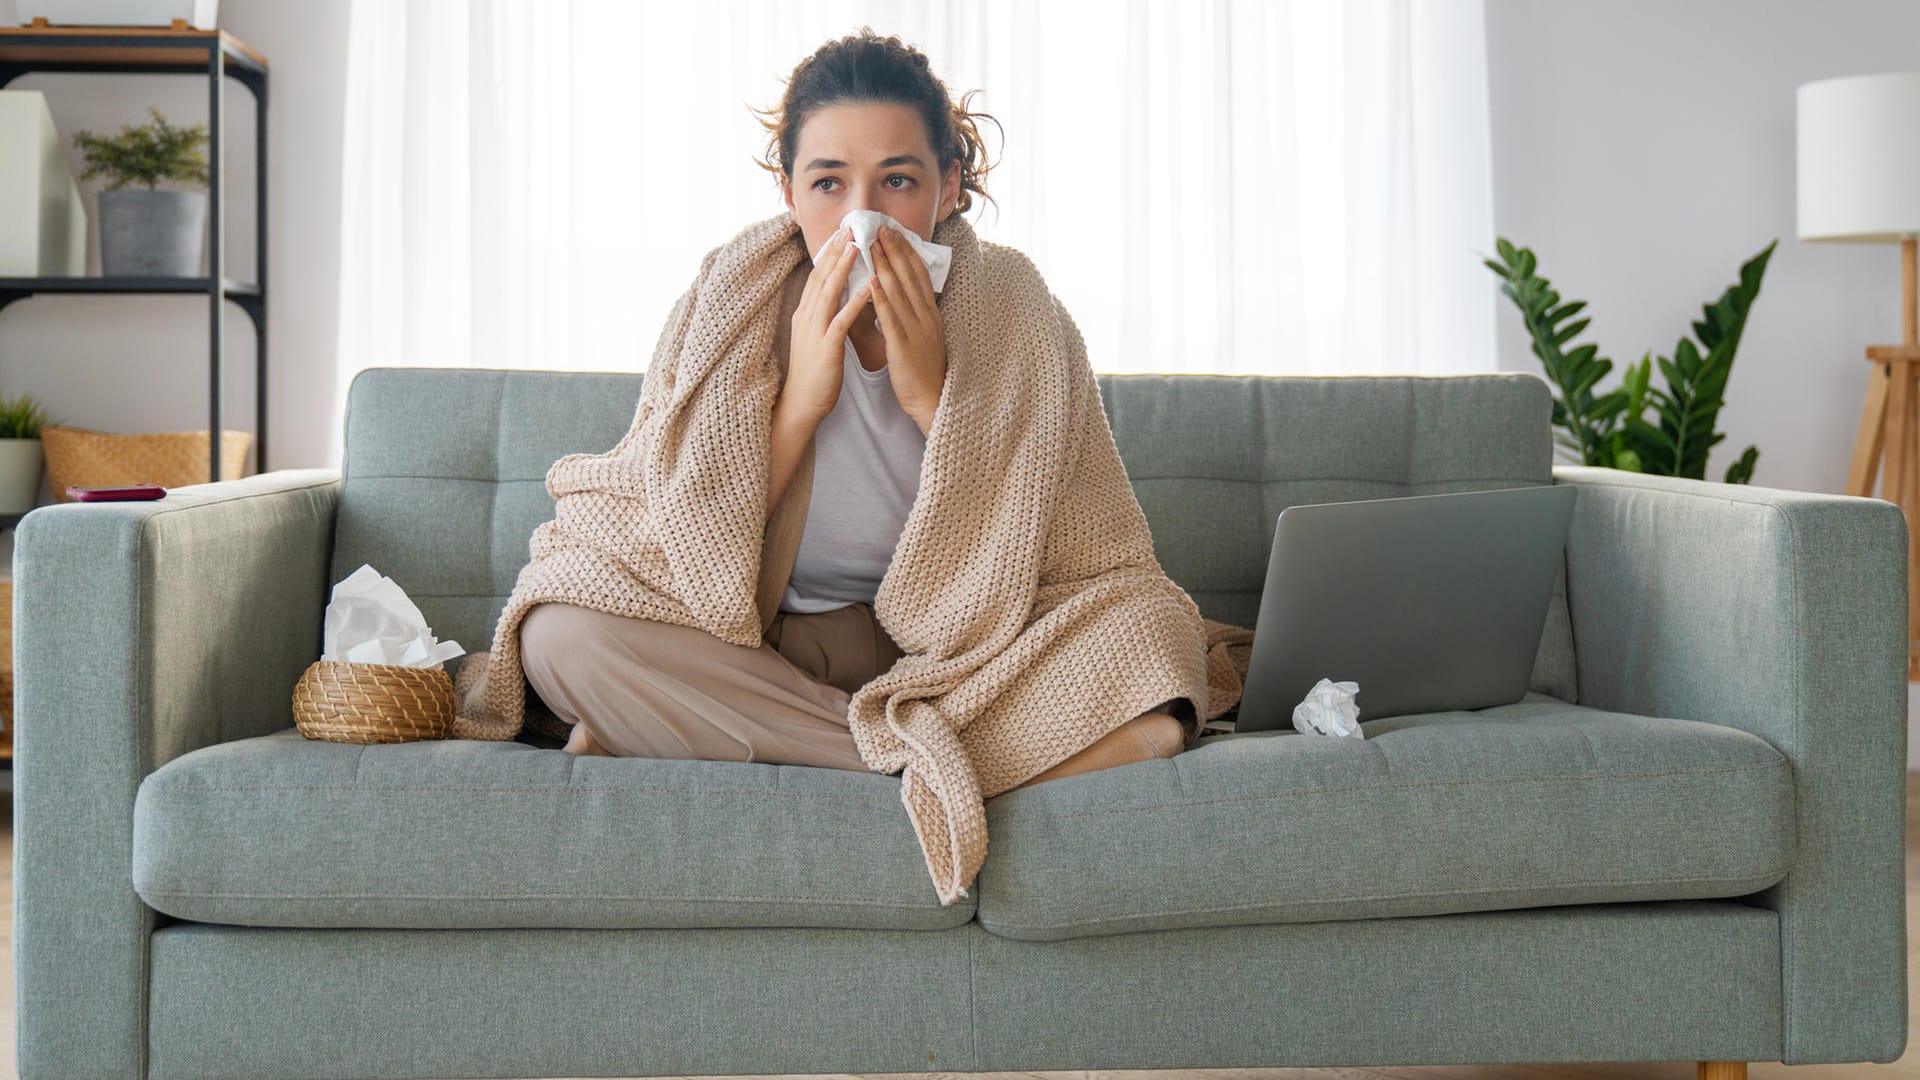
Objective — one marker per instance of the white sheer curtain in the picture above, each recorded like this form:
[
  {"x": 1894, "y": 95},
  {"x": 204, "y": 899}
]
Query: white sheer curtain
[{"x": 1233, "y": 186}]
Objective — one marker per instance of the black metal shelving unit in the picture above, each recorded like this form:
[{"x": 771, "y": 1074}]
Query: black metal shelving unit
[{"x": 213, "y": 55}]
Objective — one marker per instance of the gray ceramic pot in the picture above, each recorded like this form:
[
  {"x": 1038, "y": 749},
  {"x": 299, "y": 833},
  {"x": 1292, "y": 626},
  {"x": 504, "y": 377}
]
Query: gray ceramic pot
[{"x": 152, "y": 233}]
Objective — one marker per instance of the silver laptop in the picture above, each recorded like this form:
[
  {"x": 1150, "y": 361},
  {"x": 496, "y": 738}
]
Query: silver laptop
[{"x": 1429, "y": 603}]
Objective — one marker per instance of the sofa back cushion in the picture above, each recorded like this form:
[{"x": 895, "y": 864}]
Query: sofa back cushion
[{"x": 444, "y": 472}]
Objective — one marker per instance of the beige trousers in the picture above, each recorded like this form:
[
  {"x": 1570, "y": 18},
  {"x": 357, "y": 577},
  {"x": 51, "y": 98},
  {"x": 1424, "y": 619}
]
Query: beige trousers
[
  {"x": 651, "y": 689},
  {"x": 641, "y": 688}
]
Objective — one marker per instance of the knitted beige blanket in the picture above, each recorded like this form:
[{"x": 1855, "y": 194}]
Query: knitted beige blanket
[{"x": 1024, "y": 589}]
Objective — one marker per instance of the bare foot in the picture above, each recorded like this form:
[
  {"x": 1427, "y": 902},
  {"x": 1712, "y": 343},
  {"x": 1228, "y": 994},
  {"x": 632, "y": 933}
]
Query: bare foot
[
  {"x": 1143, "y": 738},
  {"x": 581, "y": 741}
]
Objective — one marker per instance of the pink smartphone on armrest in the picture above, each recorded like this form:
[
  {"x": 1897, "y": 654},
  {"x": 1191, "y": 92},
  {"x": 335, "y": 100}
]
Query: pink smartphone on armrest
[{"x": 116, "y": 494}]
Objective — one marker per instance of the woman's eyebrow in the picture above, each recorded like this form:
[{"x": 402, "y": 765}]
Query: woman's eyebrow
[{"x": 897, "y": 159}]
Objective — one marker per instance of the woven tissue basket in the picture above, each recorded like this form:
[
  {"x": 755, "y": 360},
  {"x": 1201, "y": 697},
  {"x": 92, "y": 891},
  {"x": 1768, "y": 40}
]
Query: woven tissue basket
[
  {"x": 77, "y": 457},
  {"x": 372, "y": 703}
]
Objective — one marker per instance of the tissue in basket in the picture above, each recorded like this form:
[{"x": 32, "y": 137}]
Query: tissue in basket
[{"x": 380, "y": 677}]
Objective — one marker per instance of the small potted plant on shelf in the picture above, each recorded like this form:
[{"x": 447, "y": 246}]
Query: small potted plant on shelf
[
  {"x": 150, "y": 233},
  {"x": 20, "y": 456}
]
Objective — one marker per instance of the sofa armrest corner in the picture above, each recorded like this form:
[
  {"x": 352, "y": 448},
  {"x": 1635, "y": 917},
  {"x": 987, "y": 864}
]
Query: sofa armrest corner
[
  {"x": 1783, "y": 614},
  {"x": 142, "y": 631}
]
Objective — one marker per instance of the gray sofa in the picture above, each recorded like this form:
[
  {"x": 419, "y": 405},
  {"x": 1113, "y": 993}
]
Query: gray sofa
[{"x": 1686, "y": 843}]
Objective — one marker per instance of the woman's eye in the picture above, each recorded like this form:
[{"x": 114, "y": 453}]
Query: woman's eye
[{"x": 890, "y": 179}]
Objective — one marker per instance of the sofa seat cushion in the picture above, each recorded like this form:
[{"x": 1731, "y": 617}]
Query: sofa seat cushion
[
  {"x": 284, "y": 831},
  {"x": 1532, "y": 804}
]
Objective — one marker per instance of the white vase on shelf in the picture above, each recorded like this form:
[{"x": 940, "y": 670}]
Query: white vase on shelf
[
  {"x": 43, "y": 222},
  {"x": 20, "y": 468},
  {"x": 199, "y": 14}
]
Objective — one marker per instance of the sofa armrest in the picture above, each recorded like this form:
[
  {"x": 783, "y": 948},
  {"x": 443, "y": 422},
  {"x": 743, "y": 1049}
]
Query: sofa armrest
[
  {"x": 1783, "y": 614},
  {"x": 142, "y": 631}
]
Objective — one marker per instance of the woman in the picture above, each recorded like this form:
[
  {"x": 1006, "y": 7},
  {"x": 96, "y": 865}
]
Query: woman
[{"x": 863, "y": 125}]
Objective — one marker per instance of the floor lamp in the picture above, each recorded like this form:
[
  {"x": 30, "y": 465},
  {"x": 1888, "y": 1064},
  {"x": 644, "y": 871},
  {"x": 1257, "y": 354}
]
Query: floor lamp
[{"x": 1859, "y": 180}]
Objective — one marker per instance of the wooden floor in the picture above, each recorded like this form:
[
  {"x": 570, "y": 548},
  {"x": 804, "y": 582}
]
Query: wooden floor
[{"x": 1907, "y": 1067}]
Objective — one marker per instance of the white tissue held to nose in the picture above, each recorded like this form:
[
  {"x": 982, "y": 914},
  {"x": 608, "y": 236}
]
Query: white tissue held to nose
[
  {"x": 369, "y": 620},
  {"x": 865, "y": 225},
  {"x": 1329, "y": 709}
]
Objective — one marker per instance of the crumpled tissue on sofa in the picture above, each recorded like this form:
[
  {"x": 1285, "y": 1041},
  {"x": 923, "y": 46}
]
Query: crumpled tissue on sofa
[{"x": 1329, "y": 709}]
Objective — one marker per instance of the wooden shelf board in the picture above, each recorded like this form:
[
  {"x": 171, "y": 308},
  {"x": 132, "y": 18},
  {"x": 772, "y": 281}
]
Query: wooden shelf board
[
  {"x": 186, "y": 47},
  {"x": 234, "y": 286}
]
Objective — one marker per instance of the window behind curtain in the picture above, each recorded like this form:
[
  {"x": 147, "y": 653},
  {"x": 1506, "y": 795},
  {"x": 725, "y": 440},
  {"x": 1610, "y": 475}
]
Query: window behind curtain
[{"x": 1235, "y": 186}]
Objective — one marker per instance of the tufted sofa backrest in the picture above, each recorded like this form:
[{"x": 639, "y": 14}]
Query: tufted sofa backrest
[{"x": 444, "y": 474}]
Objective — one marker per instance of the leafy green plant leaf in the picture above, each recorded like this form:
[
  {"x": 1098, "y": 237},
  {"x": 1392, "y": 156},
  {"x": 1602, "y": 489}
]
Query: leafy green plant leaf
[
  {"x": 1611, "y": 428},
  {"x": 1741, "y": 471},
  {"x": 21, "y": 417},
  {"x": 145, "y": 153}
]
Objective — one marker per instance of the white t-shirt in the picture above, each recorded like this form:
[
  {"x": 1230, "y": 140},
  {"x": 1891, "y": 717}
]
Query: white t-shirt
[{"x": 866, "y": 472}]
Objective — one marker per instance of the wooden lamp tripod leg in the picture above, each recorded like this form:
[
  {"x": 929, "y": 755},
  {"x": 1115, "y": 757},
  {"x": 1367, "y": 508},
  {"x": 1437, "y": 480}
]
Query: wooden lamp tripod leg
[
  {"x": 1890, "y": 430},
  {"x": 1903, "y": 458},
  {"x": 1873, "y": 434},
  {"x": 1909, "y": 497}
]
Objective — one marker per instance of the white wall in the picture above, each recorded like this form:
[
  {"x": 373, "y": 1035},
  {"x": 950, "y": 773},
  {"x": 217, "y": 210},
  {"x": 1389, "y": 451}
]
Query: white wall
[{"x": 1645, "y": 148}]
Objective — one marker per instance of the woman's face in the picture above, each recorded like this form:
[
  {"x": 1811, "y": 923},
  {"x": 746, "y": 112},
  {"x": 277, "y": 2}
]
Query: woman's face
[{"x": 869, "y": 156}]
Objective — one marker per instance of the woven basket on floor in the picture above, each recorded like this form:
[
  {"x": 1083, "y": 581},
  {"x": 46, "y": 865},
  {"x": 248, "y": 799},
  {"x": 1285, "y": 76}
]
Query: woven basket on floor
[
  {"x": 77, "y": 457},
  {"x": 372, "y": 703}
]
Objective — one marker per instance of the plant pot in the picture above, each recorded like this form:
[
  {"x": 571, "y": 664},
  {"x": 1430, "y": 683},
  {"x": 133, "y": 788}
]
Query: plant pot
[
  {"x": 19, "y": 475},
  {"x": 198, "y": 13},
  {"x": 152, "y": 233}
]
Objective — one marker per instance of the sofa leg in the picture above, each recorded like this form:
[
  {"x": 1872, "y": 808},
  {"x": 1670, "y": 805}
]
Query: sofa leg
[{"x": 1722, "y": 1070}]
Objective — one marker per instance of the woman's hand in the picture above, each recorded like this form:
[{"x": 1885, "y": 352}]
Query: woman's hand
[
  {"x": 909, "y": 317},
  {"x": 818, "y": 346}
]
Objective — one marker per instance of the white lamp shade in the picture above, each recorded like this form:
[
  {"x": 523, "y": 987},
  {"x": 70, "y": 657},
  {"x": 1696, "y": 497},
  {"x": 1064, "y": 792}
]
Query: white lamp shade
[{"x": 1859, "y": 157}]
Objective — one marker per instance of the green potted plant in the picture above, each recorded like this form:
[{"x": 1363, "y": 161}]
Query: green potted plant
[
  {"x": 20, "y": 457},
  {"x": 151, "y": 232},
  {"x": 1610, "y": 428}
]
